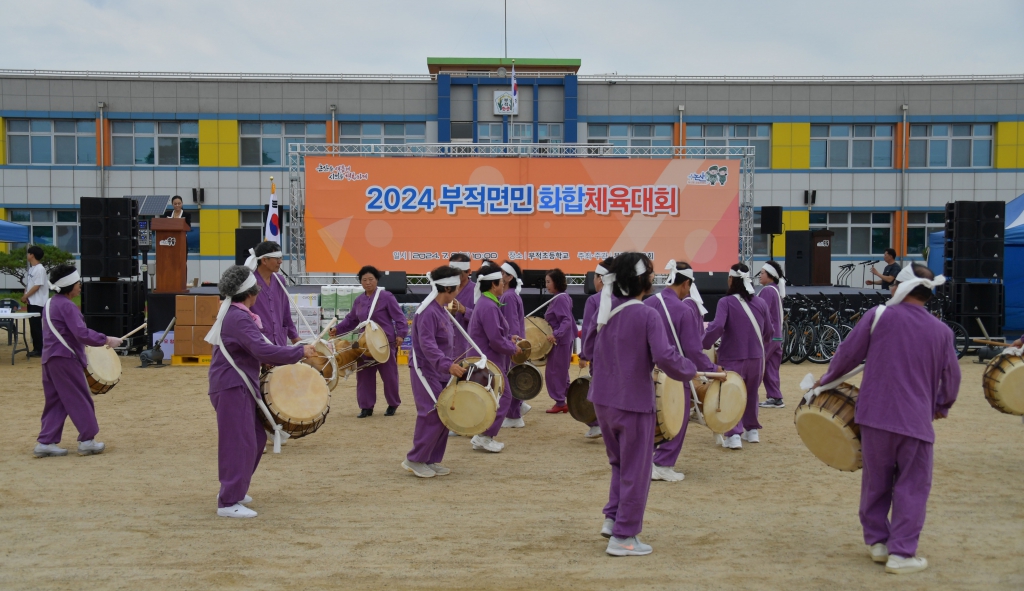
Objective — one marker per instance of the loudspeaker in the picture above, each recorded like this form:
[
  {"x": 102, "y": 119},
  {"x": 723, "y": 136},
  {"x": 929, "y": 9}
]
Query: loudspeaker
[
  {"x": 588, "y": 283},
  {"x": 992, "y": 210},
  {"x": 103, "y": 266},
  {"x": 989, "y": 269},
  {"x": 114, "y": 325},
  {"x": 534, "y": 278},
  {"x": 993, "y": 324},
  {"x": 113, "y": 297},
  {"x": 93, "y": 207},
  {"x": 978, "y": 298},
  {"x": 121, "y": 247},
  {"x": 106, "y": 228},
  {"x": 991, "y": 230},
  {"x": 771, "y": 220},
  {"x": 393, "y": 281},
  {"x": 798, "y": 257},
  {"x": 246, "y": 238},
  {"x": 711, "y": 282}
]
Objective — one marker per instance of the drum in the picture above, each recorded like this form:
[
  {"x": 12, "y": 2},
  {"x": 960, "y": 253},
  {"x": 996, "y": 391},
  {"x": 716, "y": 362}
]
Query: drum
[
  {"x": 580, "y": 408},
  {"x": 537, "y": 332},
  {"x": 498, "y": 378},
  {"x": 468, "y": 405},
  {"x": 103, "y": 370},
  {"x": 722, "y": 403},
  {"x": 670, "y": 402},
  {"x": 375, "y": 341},
  {"x": 523, "y": 355},
  {"x": 298, "y": 398},
  {"x": 826, "y": 426},
  {"x": 524, "y": 382},
  {"x": 1003, "y": 382},
  {"x": 325, "y": 364}
]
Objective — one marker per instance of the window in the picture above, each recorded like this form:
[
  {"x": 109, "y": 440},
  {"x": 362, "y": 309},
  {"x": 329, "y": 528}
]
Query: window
[
  {"x": 386, "y": 133},
  {"x": 161, "y": 143},
  {"x": 856, "y": 233},
  {"x": 957, "y": 146},
  {"x": 266, "y": 144},
  {"x": 250, "y": 219},
  {"x": 851, "y": 146},
  {"x": 549, "y": 133},
  {"x": 49, "y": 227},
  {"x": 919, "y": 225},
  {"x": 45, "y": 141},
  {"x": 658, "y": 137},
  {"x": 758, "y": 136},
  {"x": 522, "y": 133},
  {"x": 489, "y": 133},
  {"x": 760, "y": 240}
]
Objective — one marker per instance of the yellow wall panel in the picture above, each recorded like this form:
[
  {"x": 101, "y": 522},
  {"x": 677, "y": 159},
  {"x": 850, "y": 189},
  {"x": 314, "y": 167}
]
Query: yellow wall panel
[
  {"x": 1007, "y": 156},
  {"x": 208, "y": 143},
  {"x": 227, "y": 130},
  {"x": 781, "y": 157},
  {"x": 782, "y": 134},
  {"x": 801, "y": 157},
  {"x": 208, "y": 131},
  {"x": 3, "y": 216},
  {"x": 801, "y": 134},
  {"x": 227, "y": 154},
  {"x": 791, "y": 220},
  {"x": 227, "y": 243},
  {"x": 1007, "y": 140}
]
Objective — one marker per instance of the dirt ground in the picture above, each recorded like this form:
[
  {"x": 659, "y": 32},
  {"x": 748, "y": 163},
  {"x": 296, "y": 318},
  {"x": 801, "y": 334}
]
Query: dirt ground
[{"x": 337, "y": 511}]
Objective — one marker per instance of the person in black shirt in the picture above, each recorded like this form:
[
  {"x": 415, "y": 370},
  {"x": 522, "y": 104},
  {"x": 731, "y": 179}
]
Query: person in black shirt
[
  {"x": 178, "y": 212},
  {"x": 888, "y": 275}
]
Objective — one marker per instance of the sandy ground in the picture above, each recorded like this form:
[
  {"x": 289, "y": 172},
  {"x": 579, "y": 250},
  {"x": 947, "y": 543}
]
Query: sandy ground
[{"x": 336, "y": 510}]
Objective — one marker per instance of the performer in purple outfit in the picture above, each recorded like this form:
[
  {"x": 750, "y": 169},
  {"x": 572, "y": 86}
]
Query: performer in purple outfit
[
  {"x": 463, "y": 306},
  {"x": 273, "y": 306},
  {"x": 515, "y": 316},
  {"x": 773, "y": 289},
  {"x": 431, "y": 363},
  {"x": 589, "y": 326},
  {"x": 562, "y": 337},
  {"x": 234, "y": 376},
  {"x": 388, "y": 315},
  {"x": 623, "y": 394},
  {"x": 911, "y": 377},
  {"x": 684, "y": 324},
  {"x": 744, "y": 339},
  {"x": 490, "y": 331},
  {"x": 65, "y": 389}
]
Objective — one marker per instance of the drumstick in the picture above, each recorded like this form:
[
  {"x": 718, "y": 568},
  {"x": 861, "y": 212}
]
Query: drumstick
[
  {"x": 712, "y": 375},
  {"x": 329, "y": 327},
  {"x": 993, "y": 343},
  {"x": 134, "y": 331}
]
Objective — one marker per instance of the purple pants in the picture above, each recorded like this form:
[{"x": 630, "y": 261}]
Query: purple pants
[
  {"x": 240, "y": 442},
  {"x": 750, "y": 371},
  {"x": 556, "y": 371},
  {"x": 504, "y": 404},
  {"x": 897, "y": 474},
  {"x": 366, "y": 383},
  {"x": 772, "y": 361},
  {"x": 667, "y": 453},
  {"x": 66, "y": 393},
  {"x": 628, "y": 439},
  {"x": 515, "y": 409},
  {"x": 430, "y": 436}
]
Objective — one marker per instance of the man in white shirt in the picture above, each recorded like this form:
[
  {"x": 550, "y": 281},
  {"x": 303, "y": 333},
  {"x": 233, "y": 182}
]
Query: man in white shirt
[{"x": 36, "y": 294}]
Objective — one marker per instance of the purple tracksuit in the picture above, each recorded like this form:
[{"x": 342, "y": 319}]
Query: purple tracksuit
[
  {"x": 515, "y": 316},
  {"x": 623, "y": 395},
  {"x": 461, "y": 348},
  {"x": 910, "y": 375},
  {"x": 65, "y": 389},
  {"x": 588, "y": 326},
  {"x": 773, "y": 347},
  {"x": 275, "y": 312},
  {"x": 556, "y": 371},
  {"x": 388, "y": 315},
  {"x": 432, "y": 333},
  {"x": 740, "y": 352},
  {"x": 689, "y": 327},
  {"x": 489, "y": 330},
  {"x": 240, "y": 435}
]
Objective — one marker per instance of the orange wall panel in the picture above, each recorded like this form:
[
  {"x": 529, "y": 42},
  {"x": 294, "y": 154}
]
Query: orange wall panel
[{"x": 898, "y": 156}]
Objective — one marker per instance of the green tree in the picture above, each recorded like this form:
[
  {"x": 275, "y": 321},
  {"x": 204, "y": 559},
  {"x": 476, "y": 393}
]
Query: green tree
[{"x": 15, "y": 264}]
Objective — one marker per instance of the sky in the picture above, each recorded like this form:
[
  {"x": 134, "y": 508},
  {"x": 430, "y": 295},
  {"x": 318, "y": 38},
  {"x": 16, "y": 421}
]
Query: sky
[{"x": 629, "y": 37}]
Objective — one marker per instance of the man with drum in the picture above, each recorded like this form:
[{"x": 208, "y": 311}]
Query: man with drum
[
  {"x": 911, "y": 377},
  {"x": 273, "y": 306},
  {"x": 515, "y": 314},
  {"x": 773, "y": 289},
  {"x": 65, "y": 390},
  {"x": 562, "y": 337},
  {"x": 590, "y": 325}
]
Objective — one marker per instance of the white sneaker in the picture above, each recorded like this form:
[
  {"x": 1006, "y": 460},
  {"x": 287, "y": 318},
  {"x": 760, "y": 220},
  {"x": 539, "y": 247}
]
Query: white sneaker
[
  {"x": 627, "y": 547},
  {"x": 732, "y": 442},
  {"x": 245, "y": 501},
  {"x": 452, "y": 434},
  {"x": 666, "y": 473},
  {"x": 606, "y": 527},
  {"x": 879, "y": 552},
  {"x": 751, "y": 436},
  {"x": 719, "y": 439},
  {"x": 593, "y": 433},
  {"x": 236, "y": 510},
  {"x": 524, "y": 408},
  {"x": 513, "y": 424},
  {"x": 419, "y": 469},
  {"x": 88, "y": 448},
  {"x": 48, "y": 450},
  {"x": 439, "y": 469},
  {"x": 898, "y": 565},
  {"x": 486, "y": 443}
]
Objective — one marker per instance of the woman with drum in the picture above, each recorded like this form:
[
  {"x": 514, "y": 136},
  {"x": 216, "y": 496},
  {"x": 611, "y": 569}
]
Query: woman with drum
[
  {"x": 562, "y": 337},
  {"x": 65, "y": 390},
  {"x": 679, "y": 307},
  {"x": 590, "y": 324},
  {"x": 234, "y": 379},
  {"x": 623, "y": 394},
  {"x": 274, "y": 306},
  {"x": 515, "y": 314},
  {"x": 431, "y": 363},
  {"x": 772, "y": 291},
  {"x": 744, "y": 324},
  {"x": 461, "y": 306},
  {"x": 380, "y": 306}
]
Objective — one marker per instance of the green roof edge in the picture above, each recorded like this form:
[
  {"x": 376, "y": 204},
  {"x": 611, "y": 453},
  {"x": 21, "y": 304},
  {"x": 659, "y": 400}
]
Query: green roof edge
[{"x": 498, "y": 61}]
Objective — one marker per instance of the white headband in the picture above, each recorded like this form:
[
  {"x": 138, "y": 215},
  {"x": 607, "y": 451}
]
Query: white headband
[
  {"x": 446, "y": 282},
  {"x": 782, "y": 282},
  {"x": 512, "y": 271},
  {"x": 66, "y": 281},
  {"x": 460, "y": 265},
  {"x": 908, "y": 281},
  {"x": 672, "y": 272},
  {"x": 600, "y": 270},
  {"x": 213, "y": 337},
  {"x": 604, "y": 309},
  {"x": 253, "y": 261},
  {"x": 747, "y": 283},
  {"x": 694, "y": 292},
  {"x": 476, "y": 289}
]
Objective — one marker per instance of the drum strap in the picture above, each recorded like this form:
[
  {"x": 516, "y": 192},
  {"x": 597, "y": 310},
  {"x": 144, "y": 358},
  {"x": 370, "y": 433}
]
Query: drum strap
[
  {"x": 812, "y": 391},
  {"x": 544, "y": 305},
  {"x": 292, "y": 304},
  {"x": 373, "y": 306},
  {"x": 618, "y": 308},
  {"x": 778, "y": 295},
  {"x": 279, "y": 435},
  {"x": 753, "y": 322},
  {"x": 693, "y": 391},
  {"x": 54, "y": 330}
]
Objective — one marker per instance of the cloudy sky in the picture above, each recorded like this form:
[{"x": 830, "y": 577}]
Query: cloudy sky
[{"x": 680, "y": 37}]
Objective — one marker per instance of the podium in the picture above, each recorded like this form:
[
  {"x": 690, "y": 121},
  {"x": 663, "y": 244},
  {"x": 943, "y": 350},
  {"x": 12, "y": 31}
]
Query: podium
[
  {"x": 171, "y": 254},
  {"x": 821, "y": 257}
]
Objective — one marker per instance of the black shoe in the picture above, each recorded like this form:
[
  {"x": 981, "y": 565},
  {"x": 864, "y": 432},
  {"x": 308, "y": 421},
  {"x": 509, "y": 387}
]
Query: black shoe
[
  {"x": 390, "y": 412},
  {"x": 773, "y": 403},
  {"x": 32, "y": 354},
  {"x": 366, "y": 412}
]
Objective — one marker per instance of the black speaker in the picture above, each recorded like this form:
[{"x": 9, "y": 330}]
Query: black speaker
[
  {"x": 990, "y": 249},
  {"x": 978, "y": 298},
  {"x": 991, "y": 230},
  {"x": 991, "y": 211},
  {"x": 104, "y": 266},
  {"x": 114, "y": 325},
  {"x": 534, "y": 278},
  {"x": 588, "y": 283},
  {"x": 964, "y": 249},
  {"x": 119, "y": 208},
  {"x": 964, "y": 268},
  {"x": 93, "y": 207},
  {"x": 989, "y": 269},
  {"x": 393, "y": 281},
  {"x": 113, "y": 297},
  {"x": 246, "y": 238},
  {"x": 771, "y": 220},
  {"x": 711, "y": 282},
  {"x": 121, "y": 247},
  {"x": 798, "y": 257}
]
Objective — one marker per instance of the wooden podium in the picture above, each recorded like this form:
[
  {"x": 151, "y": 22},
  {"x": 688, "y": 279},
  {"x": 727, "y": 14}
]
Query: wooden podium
[{"x": 171, "y": 254}]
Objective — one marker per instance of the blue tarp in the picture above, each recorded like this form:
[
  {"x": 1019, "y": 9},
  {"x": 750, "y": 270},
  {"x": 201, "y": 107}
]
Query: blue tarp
[
  {"x": 1013, "y": 265},
  {"x": 13, "y": 232},
  {"x": 936, "y": 249}
]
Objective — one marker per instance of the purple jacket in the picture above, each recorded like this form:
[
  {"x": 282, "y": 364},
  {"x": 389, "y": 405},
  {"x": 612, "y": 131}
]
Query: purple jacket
[
  {"x": 275, "y": 312},
  {"x": 432, "y": 333},
  {"x": 70, "y": 323},
  {"x": 465, "y": 297},
  {"x": 770, "y": 294},
  {"x": 489, "y": 330},
  {"x": 514, "y": 312},
  {"x": 625, "y": 353},
  {"x": 911, "y": 371},
  {"x": 589, "y": 324},
  {"x": 245, "y": 343},
  {"x": 688, "y": 324},
  {"x": 388, "y": 314},
  {"x": 731, "y": 324},
  {"x": 559, "y": 316}
]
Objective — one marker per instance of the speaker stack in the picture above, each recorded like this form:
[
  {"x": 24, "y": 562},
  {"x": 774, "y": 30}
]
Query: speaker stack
[
  {"x": 973, "y": 264},
  {"x": 113, "y": 296}
]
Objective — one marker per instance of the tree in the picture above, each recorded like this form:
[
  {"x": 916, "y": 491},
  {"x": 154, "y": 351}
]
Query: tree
[{"x": 15, "y": 264}]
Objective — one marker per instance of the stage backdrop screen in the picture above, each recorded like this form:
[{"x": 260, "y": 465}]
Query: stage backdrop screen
[{"x": 409, "y": 214}]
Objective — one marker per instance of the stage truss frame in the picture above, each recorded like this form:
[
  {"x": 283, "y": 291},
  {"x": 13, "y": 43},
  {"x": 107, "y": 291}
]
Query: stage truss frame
[{"x": 296, "y": 254}]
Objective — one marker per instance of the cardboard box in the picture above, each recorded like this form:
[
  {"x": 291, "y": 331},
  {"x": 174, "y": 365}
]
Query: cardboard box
[
  {"x": 199, "y": 344},
  {"x": 183, "y": 340},
  {"x": 305, "y": 300},
  {"x": 206, "y": 310},
  {"x": 185, "y": 310}
]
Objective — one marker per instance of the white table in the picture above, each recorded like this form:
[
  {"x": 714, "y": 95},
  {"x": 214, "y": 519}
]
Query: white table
[{"x": 23, "y": 316}]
